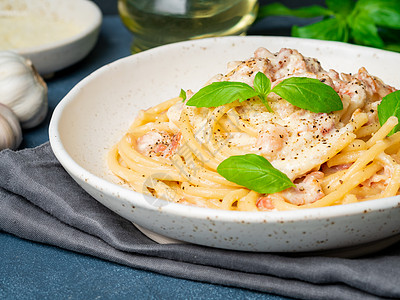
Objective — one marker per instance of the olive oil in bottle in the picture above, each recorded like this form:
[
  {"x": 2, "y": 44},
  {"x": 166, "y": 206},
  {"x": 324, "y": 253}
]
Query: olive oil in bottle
[{"x": 158, "y": 22}]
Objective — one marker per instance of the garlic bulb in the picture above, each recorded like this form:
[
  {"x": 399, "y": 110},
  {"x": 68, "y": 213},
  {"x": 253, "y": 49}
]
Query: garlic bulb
[
  {"x": 22, "y": 89},
  {"x": 10, "y": 130}
]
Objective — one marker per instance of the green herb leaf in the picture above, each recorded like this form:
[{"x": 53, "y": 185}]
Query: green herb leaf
[
  {"x": 341, "y": 7},
  {"x": 278, "y": 9},
  {"x": 182, "y": 94},
  {"x": 362, "y": 22},
  {"x": 382, "y": 12},
  {"x": 390, "y": 106},
  {"x": 262, "y": 85},
  {"x": 332, "y": 29},
  {"x": 393, "y": 47},
  {"x": 310, "y": 94},
  {"x": 220, "y": 93},
  {"x": 254, "y": 172},
  {"x": 365, "y": 32}
]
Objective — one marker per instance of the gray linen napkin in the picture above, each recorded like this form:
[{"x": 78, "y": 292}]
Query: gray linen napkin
[{"x": 39, "y": 201}]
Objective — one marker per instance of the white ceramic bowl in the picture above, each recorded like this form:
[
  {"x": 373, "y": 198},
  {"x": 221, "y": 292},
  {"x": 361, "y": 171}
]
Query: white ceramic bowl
[
  {"x": 56, "y": 55},
  {"x": 98, "y": 111}
]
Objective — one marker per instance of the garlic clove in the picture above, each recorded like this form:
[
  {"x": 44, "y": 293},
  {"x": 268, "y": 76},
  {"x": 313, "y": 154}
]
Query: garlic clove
[
  {"x": 40, "y": 110},
  {"x": 10, "y": 129},
  {"x": 22, "y": 89}
]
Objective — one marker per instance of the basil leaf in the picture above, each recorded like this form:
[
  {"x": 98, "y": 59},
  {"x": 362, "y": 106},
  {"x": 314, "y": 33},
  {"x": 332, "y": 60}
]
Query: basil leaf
[
  {"x": 254, "y": 172},
  {"x": 365, "y": 32},
  {"x": 390, "y": 106},
  {"x": 392, "y": 47},
  {"x": 332, "y": 29},
  {"x": 278, "y": 9},
  {"x": 220, "y": 93},
  {"x": 383, "y": 12},
  {"x": 310, "y": 94},
  {"x": 262, "y": 85},
  {"x": 182, "y": 94},
  {"x": 342, "y": 7}
]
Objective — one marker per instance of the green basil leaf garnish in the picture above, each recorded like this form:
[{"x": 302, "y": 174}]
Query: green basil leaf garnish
[
  {"x": 310, "y": 94},
  {"x": 262, "y": 85},
  {"x": 390, "y": 106},
  {"x": 303, "y": 92},
  {"x": 220, "y": 93},
  {"x": 254, "y": 172},
  {"x": 182, "y": 94}
]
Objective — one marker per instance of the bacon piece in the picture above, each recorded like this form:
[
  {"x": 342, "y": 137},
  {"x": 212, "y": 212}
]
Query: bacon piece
[{"x": 159, "y": 143}]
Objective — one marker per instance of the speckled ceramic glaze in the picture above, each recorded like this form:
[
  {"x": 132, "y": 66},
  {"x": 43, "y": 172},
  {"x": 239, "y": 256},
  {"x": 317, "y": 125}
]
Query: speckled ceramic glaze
[
  {"x": 98, "y": 111},
  {"x": 54, "y": 56}
]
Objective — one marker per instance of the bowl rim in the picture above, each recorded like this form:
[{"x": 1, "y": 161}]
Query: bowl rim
[
  {"x": 76, "y": 170},
  {"x": 87, "y": 30}
]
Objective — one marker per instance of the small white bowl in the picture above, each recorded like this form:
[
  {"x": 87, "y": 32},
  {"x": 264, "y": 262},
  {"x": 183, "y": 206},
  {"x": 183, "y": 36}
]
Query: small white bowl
[
  {"x": 98, "y": 111},
  {"x": 57, "y": 54}
]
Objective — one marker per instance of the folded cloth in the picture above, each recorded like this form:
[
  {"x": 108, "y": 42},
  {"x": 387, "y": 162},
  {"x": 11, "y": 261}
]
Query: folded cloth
[{"x": 39, "y": 201}]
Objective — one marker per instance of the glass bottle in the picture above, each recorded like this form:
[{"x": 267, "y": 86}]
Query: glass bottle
[{"x": 158, "y": 22}]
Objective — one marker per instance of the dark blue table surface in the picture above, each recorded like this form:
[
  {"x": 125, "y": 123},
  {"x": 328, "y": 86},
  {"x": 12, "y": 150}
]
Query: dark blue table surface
[{"x": 31, "y": 270}]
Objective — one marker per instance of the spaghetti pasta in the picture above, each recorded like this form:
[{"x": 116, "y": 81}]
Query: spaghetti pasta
[{"x": 172, "y": 150}]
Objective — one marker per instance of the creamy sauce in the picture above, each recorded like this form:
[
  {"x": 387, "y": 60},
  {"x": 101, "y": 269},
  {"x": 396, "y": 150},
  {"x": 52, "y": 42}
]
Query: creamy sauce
[
  {"x": 24, "y": 31},
  {"x": 295, "y": 141}
]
